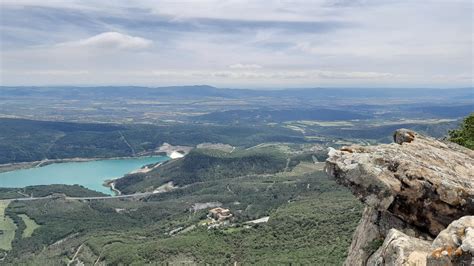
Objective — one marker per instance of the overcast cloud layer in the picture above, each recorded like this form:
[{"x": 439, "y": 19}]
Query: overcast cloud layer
[{"x": 403, "y": 43}]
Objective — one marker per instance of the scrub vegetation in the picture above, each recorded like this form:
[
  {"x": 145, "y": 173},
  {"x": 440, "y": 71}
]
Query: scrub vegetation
[
  {"x": 30, "y": 225},
  {"x": 7, "y": 228},
  {"x": 311, "y": 218}
]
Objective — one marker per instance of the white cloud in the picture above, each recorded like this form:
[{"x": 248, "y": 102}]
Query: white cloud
[
  {"x": 245, "y": 66},
  {"x": 233, "y": 43},
  {"x": 243, "y": 10},
  {"x": 263, "y": 75},
  {"x": 111, "y": 40},
  {"x": 56, "y": 72}
]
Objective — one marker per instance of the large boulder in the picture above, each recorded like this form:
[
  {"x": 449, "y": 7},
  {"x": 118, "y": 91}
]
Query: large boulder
[
  {"x": 455, "y": 244},
  {"x": 373, "y": 227},
  {"x": 418, "y": 185},
  {"x": 423, "y": 181},
  {"x": 401, "y": 249}
]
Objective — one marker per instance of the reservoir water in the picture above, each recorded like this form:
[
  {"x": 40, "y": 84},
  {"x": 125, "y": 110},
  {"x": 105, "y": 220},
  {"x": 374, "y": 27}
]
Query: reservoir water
[{"x": 90, "y": 174}]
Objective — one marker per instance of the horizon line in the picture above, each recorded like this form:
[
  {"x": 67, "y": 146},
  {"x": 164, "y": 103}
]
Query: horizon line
[{"x": 239, "y": 88}]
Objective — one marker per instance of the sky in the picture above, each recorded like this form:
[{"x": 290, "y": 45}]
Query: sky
[{"x": 239, "y": 44}]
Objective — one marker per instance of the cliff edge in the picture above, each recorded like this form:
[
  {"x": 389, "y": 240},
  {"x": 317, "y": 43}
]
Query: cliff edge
[{"x": 419, "y": 197}]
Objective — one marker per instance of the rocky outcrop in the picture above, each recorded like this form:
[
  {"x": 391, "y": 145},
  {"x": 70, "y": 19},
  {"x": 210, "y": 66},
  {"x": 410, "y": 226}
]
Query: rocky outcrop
[
  {"x": 414, "y": 189},
  {"x": 401, "y": 249},
  {"x": 455, "y": 244},
  {"x": 371, "y": 232}
]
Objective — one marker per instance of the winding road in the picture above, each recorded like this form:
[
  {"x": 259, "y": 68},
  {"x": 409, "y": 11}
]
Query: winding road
[{"x": 135, "y": 195}]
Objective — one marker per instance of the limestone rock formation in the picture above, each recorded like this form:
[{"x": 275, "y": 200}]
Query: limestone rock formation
[
  {"x": 416, "y": 185},
  {"x": 401, "y": 249},
  {"x": 455, "y": 244},
  {"x": 371, "y": 231}
]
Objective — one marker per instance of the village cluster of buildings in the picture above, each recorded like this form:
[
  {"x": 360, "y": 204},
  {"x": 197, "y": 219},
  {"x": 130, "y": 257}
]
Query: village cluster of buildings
[
  {"x": 219, "y": 214},
  {"x": 218, "y": 217}
]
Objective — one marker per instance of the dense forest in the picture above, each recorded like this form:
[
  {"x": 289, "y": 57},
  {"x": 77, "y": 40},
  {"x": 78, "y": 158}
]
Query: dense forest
[
  {"x": 47, "y": 190},
  {"x": 202, "y": 165},
  {"x": 28, "y": 140}
]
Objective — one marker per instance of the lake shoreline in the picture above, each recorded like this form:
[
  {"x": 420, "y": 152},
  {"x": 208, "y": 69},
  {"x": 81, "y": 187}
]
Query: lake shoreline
[
  {"x": 97, "y": 174},
  {"x": 110, "y": 183},
  {"x": 27, "y": 165},
  {"x": 166, "y": 150}
]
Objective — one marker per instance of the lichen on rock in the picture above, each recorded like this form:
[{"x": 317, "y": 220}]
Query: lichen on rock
[{"x": 455, "y": 244}]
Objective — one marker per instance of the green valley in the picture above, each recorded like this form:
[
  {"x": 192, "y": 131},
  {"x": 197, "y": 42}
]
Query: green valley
[{"x": 300, "y": 201}]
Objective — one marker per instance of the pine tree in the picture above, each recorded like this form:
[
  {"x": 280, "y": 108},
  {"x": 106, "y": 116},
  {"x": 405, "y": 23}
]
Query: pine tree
[{"x": 464, "y": 135}]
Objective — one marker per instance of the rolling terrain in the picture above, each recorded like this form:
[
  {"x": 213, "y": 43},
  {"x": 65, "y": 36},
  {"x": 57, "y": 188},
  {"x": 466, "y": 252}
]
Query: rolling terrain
[
  {"x": 186, "y": 103},
  {"x": 30, "y": 140},
  {"x": 258, "y": 154},
  {"x": 171, "y": 226}
]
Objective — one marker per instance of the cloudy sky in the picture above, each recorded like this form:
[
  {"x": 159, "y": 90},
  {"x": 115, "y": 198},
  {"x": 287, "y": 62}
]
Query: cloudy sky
[{"x": 255, "y": 43}]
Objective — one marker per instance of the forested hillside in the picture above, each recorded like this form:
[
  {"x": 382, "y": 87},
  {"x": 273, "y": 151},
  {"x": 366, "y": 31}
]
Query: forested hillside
[
  {"x": 311, "y": 221},
  {"x": 202, "y": 165},
  {"x": 28, "y": 140}
]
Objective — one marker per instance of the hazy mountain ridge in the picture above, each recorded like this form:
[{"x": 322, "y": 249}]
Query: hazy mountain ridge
[{"x": 203, "y": 91}]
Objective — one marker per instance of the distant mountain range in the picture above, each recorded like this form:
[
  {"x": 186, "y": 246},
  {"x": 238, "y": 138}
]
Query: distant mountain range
[{"x": 204, "y": 91}]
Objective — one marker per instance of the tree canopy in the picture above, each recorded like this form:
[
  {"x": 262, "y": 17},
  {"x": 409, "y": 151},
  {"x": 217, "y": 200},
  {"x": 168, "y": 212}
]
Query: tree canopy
[{"x": 464, "y": 135}]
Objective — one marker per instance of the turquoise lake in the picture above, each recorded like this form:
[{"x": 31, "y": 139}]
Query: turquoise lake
[{"x": 90, "y": 174}]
